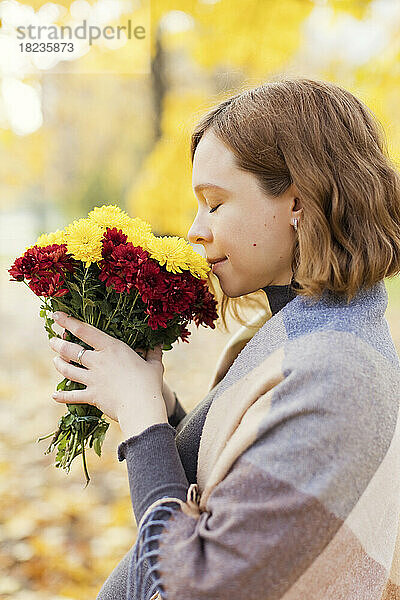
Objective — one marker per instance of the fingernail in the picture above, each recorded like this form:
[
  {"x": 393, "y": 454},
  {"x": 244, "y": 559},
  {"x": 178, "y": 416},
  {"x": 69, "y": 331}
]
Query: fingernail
[{"x": 55, "y": 316}]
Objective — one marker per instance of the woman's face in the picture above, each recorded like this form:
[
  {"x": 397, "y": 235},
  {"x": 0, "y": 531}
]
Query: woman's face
[{"x": 237, "y": 221}]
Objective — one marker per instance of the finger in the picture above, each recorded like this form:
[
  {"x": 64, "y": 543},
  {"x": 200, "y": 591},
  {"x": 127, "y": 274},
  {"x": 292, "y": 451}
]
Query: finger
[
  {"x": 69, "y": 351},
  {"x": 88, "y": 333},
  {"x": 70, "y": 371},
  {"x": 73, "y": 397}
]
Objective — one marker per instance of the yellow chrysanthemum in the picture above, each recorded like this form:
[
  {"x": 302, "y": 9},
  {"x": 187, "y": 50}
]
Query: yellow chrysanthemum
[
  {"x": 138, "y": 238},
  {"x": 140, "y": 226},
  {"x": 177, "y": 256},
  {"x": 55, "y": 237},
  {"x": 197, "y": 264},
  {"x": 110, "y": 216},
  {"x": 46, "y": 239},
  {"x": 84, "y": 240}
]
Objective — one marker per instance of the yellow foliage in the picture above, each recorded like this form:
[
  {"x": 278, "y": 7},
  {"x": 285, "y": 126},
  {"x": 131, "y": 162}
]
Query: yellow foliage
[
  {"x": 133, "y": 58},
  {"x": 22, "y": 162},
  {"x": 252, "y": 39},
  {"x": 121, "y": 513},
  {"x": 163, "y": 193},
  {"x": 356, "y": 8},
  {"x": 223, "y": 35},
  {"x": 37, "y": 4}
]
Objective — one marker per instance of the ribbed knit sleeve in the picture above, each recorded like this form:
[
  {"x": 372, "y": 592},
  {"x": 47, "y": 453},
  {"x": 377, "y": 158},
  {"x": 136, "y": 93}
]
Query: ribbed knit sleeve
[{"x": 154, "y": 467}]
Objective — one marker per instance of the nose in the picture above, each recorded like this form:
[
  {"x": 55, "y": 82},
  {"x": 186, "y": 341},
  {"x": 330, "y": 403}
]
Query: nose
[{"x": 199, "y": 233}]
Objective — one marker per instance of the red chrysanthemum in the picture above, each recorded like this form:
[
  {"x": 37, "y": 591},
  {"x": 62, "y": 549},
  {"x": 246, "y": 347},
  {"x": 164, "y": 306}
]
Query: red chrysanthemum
[
  {"x": 49, "y": 285},
  {"x": 56, "y": 257},
  {"x": 181, "y": 293},
  {"x": 112, "y": 237},
  {"x": 151, "y": 281},
  {"x": 120, "y": 267},
  {"x": 44, "y": 268},
  {"x": 158, "y": 316},
  {"x": 207, "y": 313},
  {"x": 184, "y": 334},
  {"x": 38, "y": 261},
  {"x": 23, "y": 267}
]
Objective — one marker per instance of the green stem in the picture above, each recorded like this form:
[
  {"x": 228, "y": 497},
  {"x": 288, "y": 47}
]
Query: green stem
[
  {"x": 129, "y": 316},
  {"x": 56, "y": 442},
  {"x": 129, "y": 341},
  {"x": 84, "y": 460},
  {"x": 133, "y": 304},
  {"x": 109, "y": 290},
  {"x": 45, "y": 437},
  {"x": 72, "y": 455},
  {"x": 83, "y": 292},
  {"x": 113, "y": 314}
]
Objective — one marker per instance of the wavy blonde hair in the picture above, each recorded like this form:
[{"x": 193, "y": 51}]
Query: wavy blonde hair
[{"x": 324, "y": 140}]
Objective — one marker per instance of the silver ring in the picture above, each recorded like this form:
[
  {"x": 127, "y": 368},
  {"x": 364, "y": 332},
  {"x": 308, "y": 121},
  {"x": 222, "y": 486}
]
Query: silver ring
[{"x": 80, "y": 353}]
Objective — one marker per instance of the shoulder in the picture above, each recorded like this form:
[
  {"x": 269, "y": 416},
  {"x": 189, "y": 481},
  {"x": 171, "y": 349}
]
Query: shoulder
[
  {"x": 336, "y": 351},
  {"x": 339, "y": 372}
]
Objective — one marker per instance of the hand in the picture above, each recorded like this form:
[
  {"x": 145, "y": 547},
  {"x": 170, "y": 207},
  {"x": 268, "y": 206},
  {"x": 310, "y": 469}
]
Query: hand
[{"x": 124, "y": 386}]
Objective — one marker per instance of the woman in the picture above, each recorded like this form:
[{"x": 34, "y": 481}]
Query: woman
[{"x": 284, "y": 482}]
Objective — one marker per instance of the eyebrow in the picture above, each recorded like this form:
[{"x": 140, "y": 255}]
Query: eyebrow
[{"x": 208, "y": 186}]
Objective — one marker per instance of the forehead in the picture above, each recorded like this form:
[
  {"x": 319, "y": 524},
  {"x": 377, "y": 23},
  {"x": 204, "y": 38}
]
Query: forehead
[{"x": 213, "y": 162}]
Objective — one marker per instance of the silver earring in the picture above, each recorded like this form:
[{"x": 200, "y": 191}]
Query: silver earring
[{"x": 295, "y": 223}]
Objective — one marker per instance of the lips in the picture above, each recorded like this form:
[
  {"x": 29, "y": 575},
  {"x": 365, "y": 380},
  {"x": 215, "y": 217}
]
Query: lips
[{"x": 213, "y": 261}]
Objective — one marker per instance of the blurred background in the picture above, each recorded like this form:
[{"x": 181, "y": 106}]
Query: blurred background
[{"x": 111, "y": 124}]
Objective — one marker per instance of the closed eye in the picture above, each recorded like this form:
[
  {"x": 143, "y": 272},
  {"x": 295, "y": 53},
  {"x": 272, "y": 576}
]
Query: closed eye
[{"x": 215, "y": 208}]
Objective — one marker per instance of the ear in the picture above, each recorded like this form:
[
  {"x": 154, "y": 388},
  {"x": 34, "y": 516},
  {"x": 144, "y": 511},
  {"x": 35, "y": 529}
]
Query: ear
[{"x": 297, "y": 205}]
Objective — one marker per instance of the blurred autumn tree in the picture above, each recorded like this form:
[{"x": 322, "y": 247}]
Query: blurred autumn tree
[
  {"x": 203, "y": 52},
  {"x": 124, "y": 138}
]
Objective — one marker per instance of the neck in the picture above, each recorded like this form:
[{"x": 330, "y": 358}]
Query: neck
[{"x": 279, "y": 295}]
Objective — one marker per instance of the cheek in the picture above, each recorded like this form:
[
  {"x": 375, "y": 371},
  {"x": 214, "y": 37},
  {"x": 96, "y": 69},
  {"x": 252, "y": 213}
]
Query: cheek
[{"x": 267, "y": 238}]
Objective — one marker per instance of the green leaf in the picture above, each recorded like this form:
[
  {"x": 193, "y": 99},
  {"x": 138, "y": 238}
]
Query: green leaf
[
  {"x": 63, "y": 307},
  {"x": 68, "y": 420},
  {"x": 76, "y": 299},
  {"x": 97, "y": 446},
  {"x": 77, "y": 409},
  {"x": 62, "y": 384},
  {"x": 75, "y": 287}
]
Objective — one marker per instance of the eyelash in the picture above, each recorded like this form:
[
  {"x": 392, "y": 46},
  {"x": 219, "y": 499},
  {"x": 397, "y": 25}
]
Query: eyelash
[{"x": 215, "y": 208}]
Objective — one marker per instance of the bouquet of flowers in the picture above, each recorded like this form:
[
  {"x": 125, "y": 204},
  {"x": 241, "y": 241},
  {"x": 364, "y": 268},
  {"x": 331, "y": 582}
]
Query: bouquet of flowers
[{"x": 109, "y": 270}]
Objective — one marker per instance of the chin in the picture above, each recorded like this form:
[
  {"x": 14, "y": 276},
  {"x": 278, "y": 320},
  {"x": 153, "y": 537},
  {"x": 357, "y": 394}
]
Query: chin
[{"x": 234, "y": 291}]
